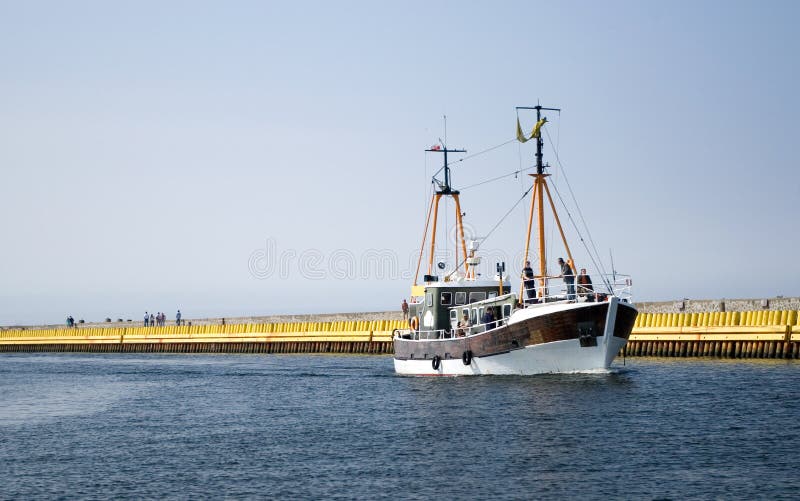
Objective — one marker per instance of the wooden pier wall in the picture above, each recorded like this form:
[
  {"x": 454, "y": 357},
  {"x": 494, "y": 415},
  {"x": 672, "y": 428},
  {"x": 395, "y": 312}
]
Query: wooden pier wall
[
  {"x": 748, "y": 334},
  {"x": 366, "y": 337},
  {"x": 733, "y": 334}
]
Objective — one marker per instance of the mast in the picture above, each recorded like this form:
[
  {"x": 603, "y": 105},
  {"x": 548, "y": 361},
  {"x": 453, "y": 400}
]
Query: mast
[
  {"x": 444, "y": 190},
  {"x": 540, "y": 190}
]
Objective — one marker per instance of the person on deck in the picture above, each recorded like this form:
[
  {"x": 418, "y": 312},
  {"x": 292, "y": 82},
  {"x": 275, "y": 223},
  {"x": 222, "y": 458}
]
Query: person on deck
[
  {"x": 529, "y": 283},
  {"x": 404, "y": 307},
  {"x": 585, "y": 288},
  {"x": 464, "y": 325},
  {"x": 488, "y": 319},
  {"x": 569, "y": 277}
]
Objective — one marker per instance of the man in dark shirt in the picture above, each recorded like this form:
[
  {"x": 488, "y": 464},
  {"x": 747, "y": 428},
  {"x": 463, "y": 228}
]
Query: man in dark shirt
[
  {"x": 529, "y": 283},
  {"x": 488, "y": 319},
  {"x": 569, "y": 277}
]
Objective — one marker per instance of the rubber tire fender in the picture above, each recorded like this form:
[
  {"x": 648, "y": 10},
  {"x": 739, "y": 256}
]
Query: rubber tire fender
[
  {"x": 435, "y": 362},
  {"x": 466, "y": 357}
]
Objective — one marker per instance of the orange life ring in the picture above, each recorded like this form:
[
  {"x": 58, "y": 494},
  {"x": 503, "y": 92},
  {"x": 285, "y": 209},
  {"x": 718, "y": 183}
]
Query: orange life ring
[{"x": 414, "y": 322}]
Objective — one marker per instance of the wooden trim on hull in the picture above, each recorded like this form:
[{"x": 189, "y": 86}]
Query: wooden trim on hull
[{"x": 585, "y": 323}]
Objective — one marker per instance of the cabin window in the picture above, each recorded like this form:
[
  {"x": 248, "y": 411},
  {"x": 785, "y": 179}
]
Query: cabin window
[
  {"x": 475, "y": 317},
  {"x": 480, "y": 315},
  {"x": 461, "y": 297},
  {"x": 476, "y": 296},
  {"x": 506, "y": 310},
  {"x": 492, "y": 294},
  {"x": 447, "y": 298},
  {"x": 429, "y": 298}
]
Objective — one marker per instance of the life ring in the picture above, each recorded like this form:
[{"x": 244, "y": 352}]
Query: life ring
[
  {"x": 435, "y": 362},
  {"x": 466, "y": 357},
  {"x": 414, "y": 323}
]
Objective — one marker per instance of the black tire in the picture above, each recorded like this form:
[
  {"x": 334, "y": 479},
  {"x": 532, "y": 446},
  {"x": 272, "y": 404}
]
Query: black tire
[
  {"x": 435, "y": 362},
  {"x": 466, "y": 357}
]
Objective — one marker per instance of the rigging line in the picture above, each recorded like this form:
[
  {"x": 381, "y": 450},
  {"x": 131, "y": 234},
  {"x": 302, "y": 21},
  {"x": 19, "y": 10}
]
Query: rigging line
[
  {"x": 497, "y": 178},
  {"x": 474, "y": 155},
  {"x": 572, "y": 194},
  {"x": 580, "y": 236},
  {"x": 558, "y": 133},
  {"x": 577, "y": 205},
  {"x": 484, "y": 151},
  {"x": 496, "y": 225}
]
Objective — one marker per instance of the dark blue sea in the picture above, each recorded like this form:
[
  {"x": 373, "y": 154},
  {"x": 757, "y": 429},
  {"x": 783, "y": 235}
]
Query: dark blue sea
[{"x": 77, "y": 426}]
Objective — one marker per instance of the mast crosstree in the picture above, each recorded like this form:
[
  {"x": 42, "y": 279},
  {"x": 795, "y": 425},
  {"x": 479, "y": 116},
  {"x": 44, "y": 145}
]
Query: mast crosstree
[{"x": 444, "y": 190}]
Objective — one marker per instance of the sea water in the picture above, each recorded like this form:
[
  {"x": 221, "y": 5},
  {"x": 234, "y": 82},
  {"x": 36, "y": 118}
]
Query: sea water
[{"x": 77, "y": 426}]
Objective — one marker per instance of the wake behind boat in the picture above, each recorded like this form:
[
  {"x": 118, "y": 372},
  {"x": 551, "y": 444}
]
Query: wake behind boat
[{"x": 462, "y": 324}]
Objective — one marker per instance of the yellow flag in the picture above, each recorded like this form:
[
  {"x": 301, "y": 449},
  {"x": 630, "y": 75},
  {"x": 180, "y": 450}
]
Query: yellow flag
[
  {"x": 520, "y": 136},
  {"x": 536, "y": 132}
]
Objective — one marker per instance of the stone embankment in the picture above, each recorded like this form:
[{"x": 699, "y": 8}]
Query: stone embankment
[{"x": 713, "y": 305}]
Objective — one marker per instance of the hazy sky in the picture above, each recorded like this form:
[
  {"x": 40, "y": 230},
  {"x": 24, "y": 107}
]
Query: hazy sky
[{"x": 236, "y": 158}]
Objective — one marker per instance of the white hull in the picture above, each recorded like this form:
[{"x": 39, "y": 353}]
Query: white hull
[{"x": 557, "y": 357}]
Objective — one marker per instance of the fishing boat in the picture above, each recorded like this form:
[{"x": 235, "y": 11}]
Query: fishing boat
[{"x": 461, "y": 323}]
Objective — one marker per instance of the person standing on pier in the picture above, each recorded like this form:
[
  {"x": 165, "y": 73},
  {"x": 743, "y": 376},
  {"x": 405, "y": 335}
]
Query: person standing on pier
[
  {"x": 146, "y": 319},
  {"x": 404, "y": 307},
  {"x": 178, "y": 318}
]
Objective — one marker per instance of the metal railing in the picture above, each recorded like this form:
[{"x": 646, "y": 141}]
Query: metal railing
[
  {"x": 558, "y": 289},
  {"x": 444, "y": 334}
]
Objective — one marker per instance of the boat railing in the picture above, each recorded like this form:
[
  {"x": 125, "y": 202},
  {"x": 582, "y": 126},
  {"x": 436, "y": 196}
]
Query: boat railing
[
  {"x": 600, "y": 288},
  {"x": 458, "y": 332}
]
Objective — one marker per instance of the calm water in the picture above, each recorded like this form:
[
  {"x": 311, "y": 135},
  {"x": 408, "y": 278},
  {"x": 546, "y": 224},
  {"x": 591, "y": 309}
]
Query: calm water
[{"x": 284, "y": 426}]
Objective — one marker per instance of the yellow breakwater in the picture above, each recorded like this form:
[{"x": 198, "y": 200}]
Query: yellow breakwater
[
  {"x": 746, "y": 334},
  {"x": 289, "y": 337},
  {"x": 733, "y": 334}
]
